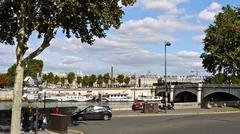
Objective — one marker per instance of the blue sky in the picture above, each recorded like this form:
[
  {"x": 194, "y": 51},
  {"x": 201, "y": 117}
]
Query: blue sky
[{"x": 137, "y": 47}]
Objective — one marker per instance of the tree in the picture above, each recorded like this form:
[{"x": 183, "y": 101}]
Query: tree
[
  {"x": 56, "y": 79},
  {"x": 100, "y": 80},
  {"x": 106, "y": 78},
  {"x": 120, "y": 78},
  {"x": 82, "y": 18},
  {"x": 11, "y": 74},
  {"x": 222, "y": 79},
  {"x": 44, "y": 77},
  {"x": 85, "y": 82},
  {"x": 50, "y": 78},
  {"x": 218, "y": 79},
  {"x": 71, "y": 77},
  {"x": 92, "y": 80},
  {"x": 222, "y": 44},
  {"x": 62, "y": 80},
  {"x": 127, "y": 80},
  {"x": 33, "y": 68},
  {"x": 79, "y": 80}
]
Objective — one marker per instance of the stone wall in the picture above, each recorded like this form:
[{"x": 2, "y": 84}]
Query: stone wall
[{"x": 6, "y": 95}]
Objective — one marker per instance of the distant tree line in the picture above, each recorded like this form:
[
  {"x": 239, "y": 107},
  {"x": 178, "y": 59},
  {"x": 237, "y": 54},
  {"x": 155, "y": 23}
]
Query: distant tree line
[
  {"x": 35, "y": 67},
  {"x": 101, "y": 80}
]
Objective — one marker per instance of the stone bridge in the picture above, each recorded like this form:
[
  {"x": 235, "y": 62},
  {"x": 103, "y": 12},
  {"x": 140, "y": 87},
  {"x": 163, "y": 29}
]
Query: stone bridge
[{"x": 201, "y": 93}]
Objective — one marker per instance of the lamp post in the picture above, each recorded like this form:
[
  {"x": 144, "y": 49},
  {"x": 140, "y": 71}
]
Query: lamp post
[{"x": 166, "y": 92}]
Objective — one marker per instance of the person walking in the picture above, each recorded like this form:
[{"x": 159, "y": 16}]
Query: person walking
[
  {"x": 44, "y": 123},
  {"x": 57, "y": 111}
]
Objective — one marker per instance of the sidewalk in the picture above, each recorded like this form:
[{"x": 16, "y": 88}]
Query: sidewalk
[
  {"x": 51, "y": 132},
  {"x": 198, "y": 111}
]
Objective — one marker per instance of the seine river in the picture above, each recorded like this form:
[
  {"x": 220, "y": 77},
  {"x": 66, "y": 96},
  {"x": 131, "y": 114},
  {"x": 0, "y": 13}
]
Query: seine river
[{"x": 79, "y": 105}]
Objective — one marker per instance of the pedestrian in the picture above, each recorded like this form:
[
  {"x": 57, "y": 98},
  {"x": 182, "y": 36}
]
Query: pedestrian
[
  {"x": 40, "y": 120},
  {"x": 25, "y": 122},
  {"x": 44, "y": 123},
  {"x": 57, "y": 111},
  {"x": 33, "y": 122}
]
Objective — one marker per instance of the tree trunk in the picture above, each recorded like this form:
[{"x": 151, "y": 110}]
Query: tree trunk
[{"x": 17, "y": 99}]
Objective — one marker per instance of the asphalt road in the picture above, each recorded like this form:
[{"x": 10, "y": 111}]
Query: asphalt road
[{"x": 188, "y": 124}]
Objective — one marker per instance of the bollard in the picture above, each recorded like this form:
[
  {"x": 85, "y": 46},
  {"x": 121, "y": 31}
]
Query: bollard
[{"x": 58, "y": 123}]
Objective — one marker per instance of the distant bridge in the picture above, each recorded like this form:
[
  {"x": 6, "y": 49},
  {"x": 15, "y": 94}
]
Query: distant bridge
[{"x": 201, "y": 93}]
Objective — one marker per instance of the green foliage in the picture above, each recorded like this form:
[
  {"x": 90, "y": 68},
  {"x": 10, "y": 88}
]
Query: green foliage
[
  {"x": 62, "y": 80},
  {"x": 56, "y": 79},
  {"x": 222, "y": 79},
  {"x": 106, "y": 78},
  {"x": 92, "y": 80},
  {"x": 33, "y": 68},
  {"x": 11, "y": 74},
  {"x": 100, "y": 80},
  {"x": 79, "y": 80},
  {"x": 120, "y": 78},
  {"x": 222, "y": 44},
  {"x": 71, "y": 77},
  {"x": 50, "y": 78},
  {"x": 82, "y": 18},
  {"x": 235, "y": 79},
  {"x": 219, "y": 79},
  {"x": 44, "y": 77},
  {"x": 85, "y": 82},
  {"x": 127, "y": 80},
  {"x": 113, "y": 80}
]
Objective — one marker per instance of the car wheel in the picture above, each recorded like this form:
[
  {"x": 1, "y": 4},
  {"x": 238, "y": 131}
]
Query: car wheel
[
  {"x": 80, "y": 118},
  {"x": 106, "y": 117}
]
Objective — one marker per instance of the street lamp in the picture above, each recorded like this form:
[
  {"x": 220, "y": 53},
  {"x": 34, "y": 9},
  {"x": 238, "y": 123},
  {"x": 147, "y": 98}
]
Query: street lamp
[{"x": 166, "y": 92}]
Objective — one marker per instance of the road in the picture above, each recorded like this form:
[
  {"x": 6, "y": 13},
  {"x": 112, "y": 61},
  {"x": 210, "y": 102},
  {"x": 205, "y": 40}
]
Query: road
[{"x": 187, "y": 124}]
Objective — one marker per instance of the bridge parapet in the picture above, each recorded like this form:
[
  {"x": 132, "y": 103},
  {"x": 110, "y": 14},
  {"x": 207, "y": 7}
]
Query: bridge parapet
[{"x": 237, "y": 86}]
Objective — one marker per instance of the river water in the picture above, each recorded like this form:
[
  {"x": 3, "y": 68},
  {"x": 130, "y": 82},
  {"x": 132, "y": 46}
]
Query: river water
[{"x": 79, "y": 105}]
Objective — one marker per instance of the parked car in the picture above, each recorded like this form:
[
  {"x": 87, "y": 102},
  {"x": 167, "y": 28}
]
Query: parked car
[
  {"x": 138, "y": 105},
  {"x": 93, "y": 113}
]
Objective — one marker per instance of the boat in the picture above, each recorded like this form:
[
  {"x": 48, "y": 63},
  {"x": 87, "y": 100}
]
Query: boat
[
  {"x": 117, "y": 97},
  {"x": 31, "y": 94},
  {"x": 149, "y": 98},
  {"x": 34, "y": 94},
  {"x": 75, "y": 98}
]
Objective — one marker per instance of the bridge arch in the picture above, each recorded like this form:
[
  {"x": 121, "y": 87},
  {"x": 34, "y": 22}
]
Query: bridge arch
[
  {"x": 220, "y": 96},
  {"x": 185, "y": 96}
]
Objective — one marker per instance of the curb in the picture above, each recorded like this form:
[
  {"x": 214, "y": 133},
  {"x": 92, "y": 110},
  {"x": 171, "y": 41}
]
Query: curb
[
  {"x": 175, "y": 114},
  {"x": 75, "y": 131}
]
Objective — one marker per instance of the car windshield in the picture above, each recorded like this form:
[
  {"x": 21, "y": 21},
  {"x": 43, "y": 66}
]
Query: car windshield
[
  {"x": 89, "y": 109},
  {"x": 139, "y": 101}
]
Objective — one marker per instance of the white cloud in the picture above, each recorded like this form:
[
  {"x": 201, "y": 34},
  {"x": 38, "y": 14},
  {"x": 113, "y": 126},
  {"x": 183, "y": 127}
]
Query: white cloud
[
  {"x": 198, "y": 38},
  {"x": 155, "y": 30},
  {"x": 7, "y": 57},
  {"x": 71, "y": 59},
  {"x": 188, "y": 54},
  {"x": 166, "y": 6},
  {"x": 209, "y": 13}
]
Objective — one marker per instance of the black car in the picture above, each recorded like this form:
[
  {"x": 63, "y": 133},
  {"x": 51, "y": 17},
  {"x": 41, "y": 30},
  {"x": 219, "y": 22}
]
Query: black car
[{"x": 93, "y": 113}]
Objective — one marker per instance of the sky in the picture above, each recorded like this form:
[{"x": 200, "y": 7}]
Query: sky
[{"x": 137, "y": 47}]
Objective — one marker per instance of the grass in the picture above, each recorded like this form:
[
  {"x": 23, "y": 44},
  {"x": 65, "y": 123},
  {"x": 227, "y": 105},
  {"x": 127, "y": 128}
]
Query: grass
[{"x": 227, "y": 109}]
